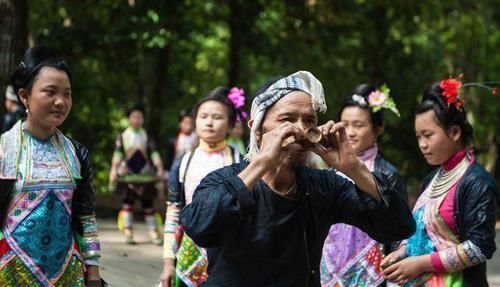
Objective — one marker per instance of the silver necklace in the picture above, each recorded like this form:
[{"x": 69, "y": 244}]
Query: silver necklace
[
  {"x": 288, "y": 194},
  {"x": 444, "y": 180}
]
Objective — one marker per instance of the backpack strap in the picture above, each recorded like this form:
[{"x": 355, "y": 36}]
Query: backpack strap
[
  {"x": 235, "y": 154},
  {"x": 185, "y": 161}
]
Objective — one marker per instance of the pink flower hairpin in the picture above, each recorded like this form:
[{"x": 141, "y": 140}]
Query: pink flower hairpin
[{"x": 237, "y": 97}]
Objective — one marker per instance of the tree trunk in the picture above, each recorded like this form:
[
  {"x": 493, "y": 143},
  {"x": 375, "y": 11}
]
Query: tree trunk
[
  {"x": 13, "y": 37},
  {"x": 159, "y": 96},
  {"x": 235, "y": 42},
  {"x": 375, "y": 51}
]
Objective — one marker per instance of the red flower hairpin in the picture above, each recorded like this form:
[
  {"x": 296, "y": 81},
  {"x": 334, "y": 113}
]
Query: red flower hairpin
[{"x": 450, "y": 88}]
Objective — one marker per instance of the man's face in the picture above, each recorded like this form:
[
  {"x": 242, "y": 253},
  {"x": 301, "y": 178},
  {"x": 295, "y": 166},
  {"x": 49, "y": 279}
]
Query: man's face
[{"x": 295, "y": 108}]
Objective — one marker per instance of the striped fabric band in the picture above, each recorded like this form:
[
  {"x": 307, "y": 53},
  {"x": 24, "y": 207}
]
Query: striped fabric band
[
  {"x": 91, "y": 249},
  {"x": 461, "y": 256},
  {"x": 172, "y": 219}
]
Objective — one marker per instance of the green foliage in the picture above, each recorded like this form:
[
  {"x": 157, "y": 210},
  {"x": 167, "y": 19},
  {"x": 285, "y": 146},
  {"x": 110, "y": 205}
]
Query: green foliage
[{"x": 168, "y": 54}]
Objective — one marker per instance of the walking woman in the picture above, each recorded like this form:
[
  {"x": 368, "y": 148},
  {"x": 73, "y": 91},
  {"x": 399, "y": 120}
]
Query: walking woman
[
  {"x": 136, "y": 169},
  {"x": 455, "y": 213},
  {"x": 350, "y": 256},
  {"x": 215, "y": 115},
  {"x": 48, "y": 234}
]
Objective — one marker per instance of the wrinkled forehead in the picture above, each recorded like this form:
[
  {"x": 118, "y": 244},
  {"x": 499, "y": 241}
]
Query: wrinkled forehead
[{"x": 295, "y": 101}]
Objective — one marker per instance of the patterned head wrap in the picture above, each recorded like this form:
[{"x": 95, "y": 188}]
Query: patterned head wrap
[{"x": 299, "y": 81}]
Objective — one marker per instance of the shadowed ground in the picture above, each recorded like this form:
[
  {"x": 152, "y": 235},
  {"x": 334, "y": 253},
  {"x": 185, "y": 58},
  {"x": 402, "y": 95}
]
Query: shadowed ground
[
  {"x": 140, "y": 265},
  {"x": 128, "y": 265}
]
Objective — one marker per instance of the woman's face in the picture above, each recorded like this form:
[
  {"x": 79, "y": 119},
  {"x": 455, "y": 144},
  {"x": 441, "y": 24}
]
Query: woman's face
[
  {"x": 237, "y": 130},
  {"x": 49, "y": 101},
  {"x": 136, "y": 119},
  {"x": 212, "y": 122},
  {"x": 186, "y": 125},
  {"x": 436, "y": 144},
  {"x": 359, "y": 128}
]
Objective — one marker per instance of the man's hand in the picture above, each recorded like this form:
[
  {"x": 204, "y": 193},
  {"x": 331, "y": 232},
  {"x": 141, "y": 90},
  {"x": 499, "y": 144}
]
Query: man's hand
[
  {"x": 338, "y": 153},
  {"x": 336, "y": 150},
  {"x": 273, "y": 151},
  {"x": 275, "y": 143}
]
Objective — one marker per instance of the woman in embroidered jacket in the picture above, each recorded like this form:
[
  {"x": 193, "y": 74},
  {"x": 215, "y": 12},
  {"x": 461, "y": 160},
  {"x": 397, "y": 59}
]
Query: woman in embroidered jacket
[
  {"x": 214, "y": 115},
  {"x": 350, "y": 256},
  {"x": 136, "y": 169},
  {"x": 455, "y": 214},
  {"x": 48, "y": 234}
]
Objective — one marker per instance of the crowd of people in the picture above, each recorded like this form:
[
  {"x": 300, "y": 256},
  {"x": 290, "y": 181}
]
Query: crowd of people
[{"x": 286, "y": 211}]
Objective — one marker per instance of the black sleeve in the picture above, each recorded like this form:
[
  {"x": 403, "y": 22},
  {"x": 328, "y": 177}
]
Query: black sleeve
[
  {"x": 479, "y": 202},
  {"x": 169, "y": 158},
  {"x": 84, "y": 197},
  {"x": 397, "y": 183},
  {"x": 6, "y": 187},
  {"x": 386, "y": 220},
  {"x": 174, "y": 186},
  {"x": 220, "y": 200}
]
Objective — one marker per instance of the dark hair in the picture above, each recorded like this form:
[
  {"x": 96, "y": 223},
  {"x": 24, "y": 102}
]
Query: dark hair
[
  {"x": 185, "y": 113},
  {"x": 219, "y": 94},
  {"x": 447, "y": 116},
  {"x": 33, "y": 61},
  {"x": 136, "y": 108},
  {"x": 363, "y": 90}
]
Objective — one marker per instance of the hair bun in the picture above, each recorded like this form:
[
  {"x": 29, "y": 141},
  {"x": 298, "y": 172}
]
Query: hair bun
[
  {"x": 33, "y": 61},
  {"x": 36, "y": 55},
  {"x": 363, "y": 90},
  {"x": 447, "y": 115},
  {"x": 434, "y": 93}
]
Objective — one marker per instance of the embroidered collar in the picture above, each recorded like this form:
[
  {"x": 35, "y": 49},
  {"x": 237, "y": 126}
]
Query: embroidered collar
[
  {"x": 26, "y": 132},
  {"x": 456, "y": 158},
  {"x": 10, "y": 151},
  {"x": 211, "y": 147}
]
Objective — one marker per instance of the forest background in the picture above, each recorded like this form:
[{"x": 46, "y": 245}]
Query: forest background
[{"x": 168, "y": 54}]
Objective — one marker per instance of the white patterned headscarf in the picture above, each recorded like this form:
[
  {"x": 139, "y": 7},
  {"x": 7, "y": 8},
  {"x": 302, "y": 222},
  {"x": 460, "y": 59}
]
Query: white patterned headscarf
[{"x": 299, "y": 81}]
